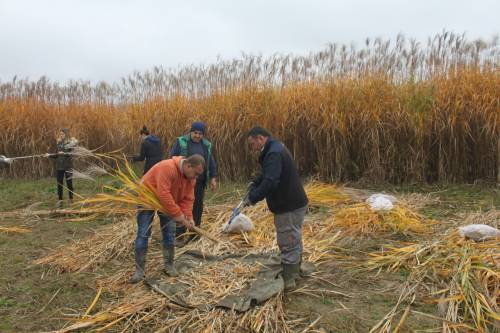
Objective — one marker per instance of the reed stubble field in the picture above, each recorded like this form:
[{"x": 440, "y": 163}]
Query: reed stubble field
[{"x": 345, "y": 297}]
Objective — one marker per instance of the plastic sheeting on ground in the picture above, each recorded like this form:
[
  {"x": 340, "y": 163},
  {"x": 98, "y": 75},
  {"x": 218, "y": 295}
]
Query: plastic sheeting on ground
[{"x": 267, "y": 284}]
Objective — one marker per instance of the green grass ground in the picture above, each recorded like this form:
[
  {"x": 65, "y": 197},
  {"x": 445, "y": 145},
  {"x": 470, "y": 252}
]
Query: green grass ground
[{"x": 31, "y": 300}]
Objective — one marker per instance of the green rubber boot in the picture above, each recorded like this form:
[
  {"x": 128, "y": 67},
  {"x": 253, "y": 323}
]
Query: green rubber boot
[
  {"x": 168, "y": 260},
  {"x": 290, "y": 273},
  {"x": 140, "y": 263}
]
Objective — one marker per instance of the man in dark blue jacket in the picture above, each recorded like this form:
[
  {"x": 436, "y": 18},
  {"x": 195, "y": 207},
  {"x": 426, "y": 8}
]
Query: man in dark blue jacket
[
  {"x": 282, "y": 188},
  {"x": 151, "y": 150}
]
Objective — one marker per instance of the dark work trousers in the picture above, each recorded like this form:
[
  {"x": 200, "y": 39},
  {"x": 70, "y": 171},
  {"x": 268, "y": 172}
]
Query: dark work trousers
[
  {"x": 199, "y": 193},
  {"x": 289, "y": 235},
  {"x": 61, "y": 174}
]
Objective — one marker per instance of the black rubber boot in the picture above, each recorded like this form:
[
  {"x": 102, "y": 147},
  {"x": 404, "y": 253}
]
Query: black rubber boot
[
  {"x": 168, "y": 260},
  {"x": 290, "y": 273},
  {"x": 140, "y": 263}
]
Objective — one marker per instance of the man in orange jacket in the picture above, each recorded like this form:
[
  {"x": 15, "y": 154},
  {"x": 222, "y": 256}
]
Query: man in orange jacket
[{"x": 173, "y": 181}]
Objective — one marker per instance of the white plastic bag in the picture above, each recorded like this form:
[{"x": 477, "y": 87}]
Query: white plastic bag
[
  {"x": 239, "y": 223},
  {"x": 478, "y": 232},
  {"x": 381, "y": 201}
]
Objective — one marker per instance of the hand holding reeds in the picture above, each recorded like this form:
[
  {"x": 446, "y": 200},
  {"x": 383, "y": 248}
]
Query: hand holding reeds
[
  {"x": 189, "y": 224},
  {"x": 184, "y": 221}
]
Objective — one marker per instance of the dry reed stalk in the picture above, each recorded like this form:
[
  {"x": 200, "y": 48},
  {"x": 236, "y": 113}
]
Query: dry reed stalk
[
  {"x": 108, "y": 242},
  {"x": 491, "y": 218},
  {"x": 207, "y": 284},
  {"x": 14, "y": 230},
  {"x": 397, "y": 112},
  {"x": 468, "y": 273},
  {"x": 51, "y": 213},
  {"x": 323, "y": 194},
  {"x": 360, "y": 219},
  {"x": 318, "y": 235},
  {"x": 128, "y": 195},
  {"x": 406, "y": 297},
  {"x": 417, "y": 201}
]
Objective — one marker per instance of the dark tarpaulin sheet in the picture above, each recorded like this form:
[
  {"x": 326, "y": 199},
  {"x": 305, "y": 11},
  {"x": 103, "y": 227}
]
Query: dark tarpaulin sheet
[{"x": 267, "y": 284}]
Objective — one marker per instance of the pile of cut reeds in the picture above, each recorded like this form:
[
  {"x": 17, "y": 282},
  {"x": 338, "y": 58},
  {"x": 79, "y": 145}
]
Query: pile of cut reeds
[
  {"x": 461, "y": 276},
  {"x": 360, "y": 219},
  {"x": 108, "y": 242}
]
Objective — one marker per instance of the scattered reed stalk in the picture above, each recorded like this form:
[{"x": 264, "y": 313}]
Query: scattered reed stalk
[
  {"x": 467, "y": 273},
  {"x": 14, "y": 230},
  {"x": 109, "y": 242}
]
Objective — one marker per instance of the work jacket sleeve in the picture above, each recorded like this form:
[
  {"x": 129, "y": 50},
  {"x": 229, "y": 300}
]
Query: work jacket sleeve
[
  {"x": 257, "y": 180},
  {"x": 271, "y": 174},
  {"x": 176, "y": 150},
  {"x": 53, "y": 151},
  {"x": 164, "y": 185},
  {"x": 212, "y": 167}
]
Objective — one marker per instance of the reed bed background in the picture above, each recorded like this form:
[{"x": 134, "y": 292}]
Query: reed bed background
[{"x": 391, "y": 111}]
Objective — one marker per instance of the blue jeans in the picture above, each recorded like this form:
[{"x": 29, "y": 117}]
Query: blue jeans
[{"x": 144, "y": 221}]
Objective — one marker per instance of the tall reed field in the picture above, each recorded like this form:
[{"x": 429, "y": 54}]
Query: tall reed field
[{"x": 388, "y": 111}]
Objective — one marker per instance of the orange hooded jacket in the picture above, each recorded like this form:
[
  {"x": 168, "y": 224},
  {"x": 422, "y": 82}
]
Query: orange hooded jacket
[{"x": 176, "y": 192}]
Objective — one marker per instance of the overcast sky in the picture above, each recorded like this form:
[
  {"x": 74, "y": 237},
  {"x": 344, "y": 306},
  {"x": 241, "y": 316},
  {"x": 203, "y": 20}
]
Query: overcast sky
[{"x": 108, "y": 39}]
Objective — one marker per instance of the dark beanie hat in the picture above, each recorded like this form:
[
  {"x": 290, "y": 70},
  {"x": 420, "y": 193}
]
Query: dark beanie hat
[
  {"x": 144, "y": 130},
  {"x": 198, "y": 126}
]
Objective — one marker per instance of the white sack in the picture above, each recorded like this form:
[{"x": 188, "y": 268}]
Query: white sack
[
  {"x": 240, "y": 223},
  {"x": 478, "y": 232},
  {"x": 381, "y": 201}
]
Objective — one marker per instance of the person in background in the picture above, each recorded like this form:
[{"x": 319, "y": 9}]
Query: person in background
[
  {"x": 173, "y": 182},
  {"x": 187, "y": 145},
  {"x": 61, "y": 154},
  {"x": 151, "y": 150},
  {"x": 280, "y": 185}
]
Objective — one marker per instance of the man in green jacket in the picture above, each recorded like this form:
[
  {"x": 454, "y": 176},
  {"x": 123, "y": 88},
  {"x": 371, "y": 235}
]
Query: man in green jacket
[{"x": 195, "y": 143}]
